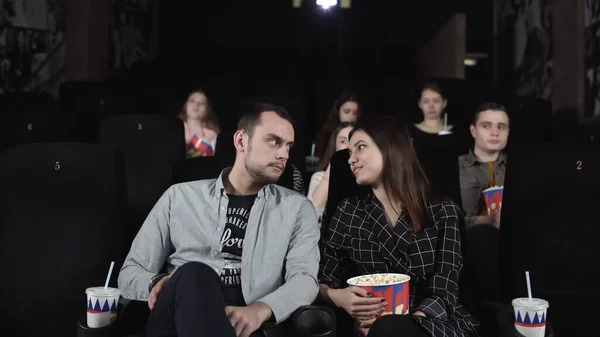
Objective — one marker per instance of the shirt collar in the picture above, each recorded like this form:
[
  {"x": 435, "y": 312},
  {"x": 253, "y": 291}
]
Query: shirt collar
[
  {"x": 472, "y": 158},
  {"x": 219, "y": 190}
]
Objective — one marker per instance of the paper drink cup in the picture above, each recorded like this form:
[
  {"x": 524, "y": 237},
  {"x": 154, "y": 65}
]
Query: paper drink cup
[{"x": 102, "y": 306}]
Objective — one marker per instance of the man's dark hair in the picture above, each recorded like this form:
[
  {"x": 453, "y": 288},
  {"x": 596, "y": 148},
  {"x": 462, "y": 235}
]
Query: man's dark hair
[
  {"x": 251, "y": 116},
  {"x": 488, "y": 106}
]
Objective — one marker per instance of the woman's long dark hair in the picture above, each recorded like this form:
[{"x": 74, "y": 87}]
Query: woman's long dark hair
[
  {"x": 403, "y": 177},
  {"x": 333, "y": 118},
  {"x": 211, "y": 116},
  {"x": 330, "y": 150}
]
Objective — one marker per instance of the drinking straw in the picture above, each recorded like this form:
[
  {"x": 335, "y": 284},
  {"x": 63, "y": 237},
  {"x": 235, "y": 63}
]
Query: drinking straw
[
  {"x": 528, "y": 285},
  {"x": 445, "y": 121},
  {"x": 112, "y": 264}
]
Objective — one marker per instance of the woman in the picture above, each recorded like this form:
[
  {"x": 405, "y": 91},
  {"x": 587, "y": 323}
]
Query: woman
[
  {"x": 395, "y": 229},
  {"x": 432, "y": 104},
  {"x": 345, "y": 109},
  {"x": 319, "y": 182},
  {"x": 201, "y": 125}
]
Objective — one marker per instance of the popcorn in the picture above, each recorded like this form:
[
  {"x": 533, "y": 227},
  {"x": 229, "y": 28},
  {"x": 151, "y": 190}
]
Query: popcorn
[
  {"x": 378, "y": 279},
  {"x": 493, "y": 188}
]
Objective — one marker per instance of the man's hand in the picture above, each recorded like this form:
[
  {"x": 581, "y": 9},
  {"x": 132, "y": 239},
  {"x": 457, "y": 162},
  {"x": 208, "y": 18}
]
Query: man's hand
[
  {"x": 246, "y": 320},
  {"x": 156, "y": 291},
  {"x": 364, "y": 327},
  {"x": 497, "y": 217},
  {"x": 493, "y": 220}
]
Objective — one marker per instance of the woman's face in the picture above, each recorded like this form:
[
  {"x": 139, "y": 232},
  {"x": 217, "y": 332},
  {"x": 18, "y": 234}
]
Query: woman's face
[
  {"x": 366, "y": 160},
  {"x": 349, "y": 112},
  {"x": 195, "y": 107},
  {"x": 432, "y": 104},
  {"x": 341, "y": 140}
]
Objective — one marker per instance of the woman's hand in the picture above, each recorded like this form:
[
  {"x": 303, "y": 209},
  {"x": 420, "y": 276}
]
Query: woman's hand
[
  {"x": 419, "y": 313},
  {"x": 358, "y": 303}
]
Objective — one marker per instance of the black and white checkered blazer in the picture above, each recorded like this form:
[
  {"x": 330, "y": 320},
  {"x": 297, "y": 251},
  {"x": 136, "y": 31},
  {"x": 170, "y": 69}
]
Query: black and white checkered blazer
[{"x": 358, "y": 233}]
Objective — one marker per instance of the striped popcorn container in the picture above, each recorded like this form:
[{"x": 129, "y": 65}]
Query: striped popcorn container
[
  {"x": 493, "y": 199},
  {"x": 394, "y": 288},
  {"x": 203, "y": 146},
  {"x": 102, "y": 306}
]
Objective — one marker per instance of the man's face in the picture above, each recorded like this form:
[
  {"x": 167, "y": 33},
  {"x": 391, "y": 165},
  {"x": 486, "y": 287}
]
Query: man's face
[
  {"x": 491, "y": 131},
  {"x": 268, "y": 148}
]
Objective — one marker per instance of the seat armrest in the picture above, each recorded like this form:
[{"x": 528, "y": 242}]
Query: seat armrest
[{"x": 306, "y": 320}]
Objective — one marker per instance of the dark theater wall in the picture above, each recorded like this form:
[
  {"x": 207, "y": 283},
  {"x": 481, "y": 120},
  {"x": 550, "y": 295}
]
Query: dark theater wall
[
  {"x": 373, "y": 38},
  {"x": 32, "y": 49}
]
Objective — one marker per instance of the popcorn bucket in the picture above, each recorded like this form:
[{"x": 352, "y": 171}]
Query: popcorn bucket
[
  {"x": 202, "y": 146},
  {"x": 394, "y": 288},
  {"x": 493, "y": 199}
]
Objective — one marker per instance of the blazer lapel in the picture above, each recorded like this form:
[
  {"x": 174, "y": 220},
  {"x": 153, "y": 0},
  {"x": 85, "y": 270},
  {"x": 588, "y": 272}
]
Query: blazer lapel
[{"x": 394, "y": 244}]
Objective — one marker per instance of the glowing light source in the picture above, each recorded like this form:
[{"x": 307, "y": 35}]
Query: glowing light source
[
  {"x": 326, "y": 4},
  {"x": 469, "y": 62}
]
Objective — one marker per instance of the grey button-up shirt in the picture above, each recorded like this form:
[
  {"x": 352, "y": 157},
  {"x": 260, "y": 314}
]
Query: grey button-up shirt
[
  {"x": 280, "y": 259},
  {"x": 474, "y": 178}
]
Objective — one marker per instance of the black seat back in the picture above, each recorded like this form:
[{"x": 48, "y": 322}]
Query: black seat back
[
  {"x": 550, "y": 228},
  {"x": 32, "y": 127},
  {"x": 151, "y": 145},
  {"x": 62, "y": 211}
]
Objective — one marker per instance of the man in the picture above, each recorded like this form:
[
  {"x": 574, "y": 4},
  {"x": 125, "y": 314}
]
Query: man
[
  {"x": 238, "y": 250},
  {"x": 484, "y": 166}
]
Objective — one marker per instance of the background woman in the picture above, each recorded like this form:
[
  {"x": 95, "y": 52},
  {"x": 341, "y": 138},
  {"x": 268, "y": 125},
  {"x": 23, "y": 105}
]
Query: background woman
[
  {"x": 319, "y": 182},
  {"x": 201, "y": 125}
]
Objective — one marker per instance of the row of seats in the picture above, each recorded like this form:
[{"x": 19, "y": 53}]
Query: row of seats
[
  {"x": 153, "y": 143},
  {"x": 87, "y": 103},
  {"x": 63, "y": 218},
  {"x": 150, "y": 144}
]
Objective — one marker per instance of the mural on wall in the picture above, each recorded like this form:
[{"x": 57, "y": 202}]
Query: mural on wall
[
  {"x": 129, "y": 33},
  {"x": 592, "y": 59},
  {"x": 531, "y": 22},
  {"x": 32, "y": 53}
]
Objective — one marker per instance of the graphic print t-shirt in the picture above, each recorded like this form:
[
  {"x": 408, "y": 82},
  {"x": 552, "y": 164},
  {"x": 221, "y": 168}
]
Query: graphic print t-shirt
[{"x": 232, "y": 241}]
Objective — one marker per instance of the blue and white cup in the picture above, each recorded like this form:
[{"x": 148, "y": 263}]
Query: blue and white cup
[
  {"x": 102, "y": 306},
  {"x": 530, "y": 316}
]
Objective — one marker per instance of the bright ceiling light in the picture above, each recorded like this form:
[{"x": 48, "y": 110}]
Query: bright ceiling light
[
  {"x": 326, "y": 4},
  {"x": 470, "y": 62}
]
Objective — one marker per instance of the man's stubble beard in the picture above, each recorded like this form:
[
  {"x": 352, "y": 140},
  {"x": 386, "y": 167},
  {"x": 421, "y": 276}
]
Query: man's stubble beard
[{"x": 258, "y": 173}]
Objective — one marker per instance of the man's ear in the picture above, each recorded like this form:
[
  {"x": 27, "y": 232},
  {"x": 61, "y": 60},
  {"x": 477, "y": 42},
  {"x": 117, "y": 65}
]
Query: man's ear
[
  {"x": 472, "y": 128},
  {"x": 240, "y": 140}
]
